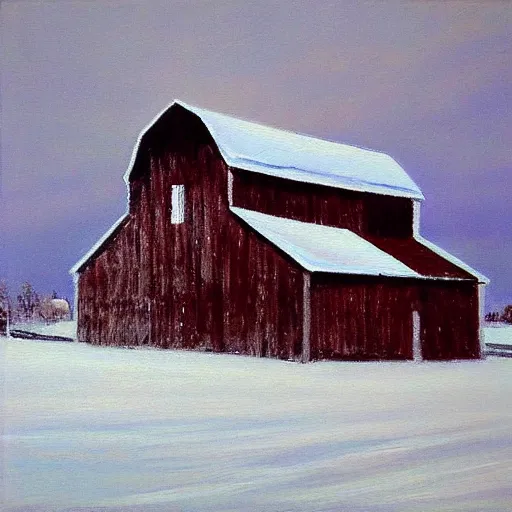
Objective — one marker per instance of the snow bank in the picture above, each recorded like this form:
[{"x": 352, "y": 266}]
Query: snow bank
[
  {"x": 150, "y": 430},
  {"x": 498, "y": 334}
]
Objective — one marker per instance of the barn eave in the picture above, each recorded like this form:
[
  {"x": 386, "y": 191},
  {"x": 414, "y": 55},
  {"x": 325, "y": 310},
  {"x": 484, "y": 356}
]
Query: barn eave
[
  {"x": 99, "y": 245},
  {"x": 453, "y": 259},
  {"x": 318, "y": 248},
  {"x": 326, "y": 249}
]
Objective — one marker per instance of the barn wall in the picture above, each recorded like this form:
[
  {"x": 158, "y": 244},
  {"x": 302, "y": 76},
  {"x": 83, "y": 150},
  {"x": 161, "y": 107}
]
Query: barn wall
[
  {"x": 363, "y": 213},
  {"x": 450, "y": 320},
  {"x": 105, "y": 315},
  {"x": 263, "y": 297},
  {"x": 209, "y": 282},
  {"x": 356, "y": 317},
  {"x": 353, "y": 317}
]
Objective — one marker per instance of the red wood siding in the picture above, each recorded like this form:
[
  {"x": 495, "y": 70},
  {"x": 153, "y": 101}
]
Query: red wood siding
[
  {"x": 206, "y": 283},
  {"x": 418, "y": 257},
  {"x": 263, "y": 290},
  {"x": 361, "y": 318},
  {"x": 384, "y": 221},
  {"x": 213, "y": 283},
  {"x": 363, "y": 213},
  {"x": 450, "y": 320}
]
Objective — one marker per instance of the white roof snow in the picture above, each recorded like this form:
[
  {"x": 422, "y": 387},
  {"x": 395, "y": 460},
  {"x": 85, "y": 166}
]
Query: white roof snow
[
  {"x": 258, "y": 148},
  {"x": 323, "y": 248}
]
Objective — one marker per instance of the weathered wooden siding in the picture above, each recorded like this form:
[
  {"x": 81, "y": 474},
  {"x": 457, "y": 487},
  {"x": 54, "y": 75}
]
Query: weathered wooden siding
[
  {"x": 363, "y": 318},
  {"x": 418, "y": 257},
  {"x": 384, "y": 221},
  {"x": 206, "y": 283},
  {"x": 450, "y": 320},
  {"x": 263, "y": 291},
  {"x": 363, "y": 213},
  {"x": 213, "y": 283}
]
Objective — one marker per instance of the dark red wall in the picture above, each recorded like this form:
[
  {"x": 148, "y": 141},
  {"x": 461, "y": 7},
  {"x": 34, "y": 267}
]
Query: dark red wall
[
  {"x": 363, "y": 213},
  {"x": 357, "y": 317},
  {"x": 385, "y": 221}
]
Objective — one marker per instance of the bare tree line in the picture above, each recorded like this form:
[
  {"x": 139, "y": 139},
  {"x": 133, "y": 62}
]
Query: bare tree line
[
  {"x": 503, "y": 316},
  {"x": 29, "y": 306}
]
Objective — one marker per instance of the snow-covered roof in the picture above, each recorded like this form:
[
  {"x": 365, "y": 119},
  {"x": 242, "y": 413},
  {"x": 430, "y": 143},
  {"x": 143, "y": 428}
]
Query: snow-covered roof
[
  {"x": 320, "y": 248},
  {"x": 98, "y": 245},
  {"x": 284, "y": 154}
]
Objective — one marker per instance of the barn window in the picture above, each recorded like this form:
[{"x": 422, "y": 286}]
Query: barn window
[{"x": 178, "y": 204}]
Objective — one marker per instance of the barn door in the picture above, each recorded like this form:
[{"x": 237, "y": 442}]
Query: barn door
[{"x": 417, "y": 353}]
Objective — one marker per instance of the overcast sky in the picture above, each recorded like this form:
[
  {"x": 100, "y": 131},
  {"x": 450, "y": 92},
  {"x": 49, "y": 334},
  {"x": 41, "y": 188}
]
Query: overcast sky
[{"x": 429, "y": 82}]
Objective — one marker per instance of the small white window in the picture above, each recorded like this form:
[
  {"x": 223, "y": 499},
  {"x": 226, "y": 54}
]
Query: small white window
[{"x": 178, "y": 204}]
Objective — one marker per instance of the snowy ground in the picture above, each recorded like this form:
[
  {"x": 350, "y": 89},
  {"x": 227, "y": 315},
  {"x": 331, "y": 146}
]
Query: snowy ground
[
  {"x": 66, "y": 328},
  {"x": 89, "y": 428},
  {"x": 498, "y": 333}
]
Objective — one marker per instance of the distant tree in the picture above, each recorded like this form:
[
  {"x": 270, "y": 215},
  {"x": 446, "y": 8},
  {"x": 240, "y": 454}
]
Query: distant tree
[
  {"x": 4, "y": 294},
  {"x": 28, "y": 302},
  {"x": 496, "y": 316},
  {"x": 506, "y": 316},
  {"x": 4, "y": 307}
]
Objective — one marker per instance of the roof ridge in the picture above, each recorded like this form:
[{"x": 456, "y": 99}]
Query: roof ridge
[
  {"x": 277, "y": 128},
  {"x": 265, "y": 149}
]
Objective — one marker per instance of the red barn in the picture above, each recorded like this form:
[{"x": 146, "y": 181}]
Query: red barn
[{"x": 248, "y": 239}]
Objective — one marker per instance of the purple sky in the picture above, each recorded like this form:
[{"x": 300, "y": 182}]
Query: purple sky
[{"x": 429, "y": 82}]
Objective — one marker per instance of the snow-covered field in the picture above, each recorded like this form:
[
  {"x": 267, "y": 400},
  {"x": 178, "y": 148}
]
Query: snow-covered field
[
  {"x": 65, "y": 328},
  {"x": 498, "y": 333},
  {"x": 90, "y": 428}
]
